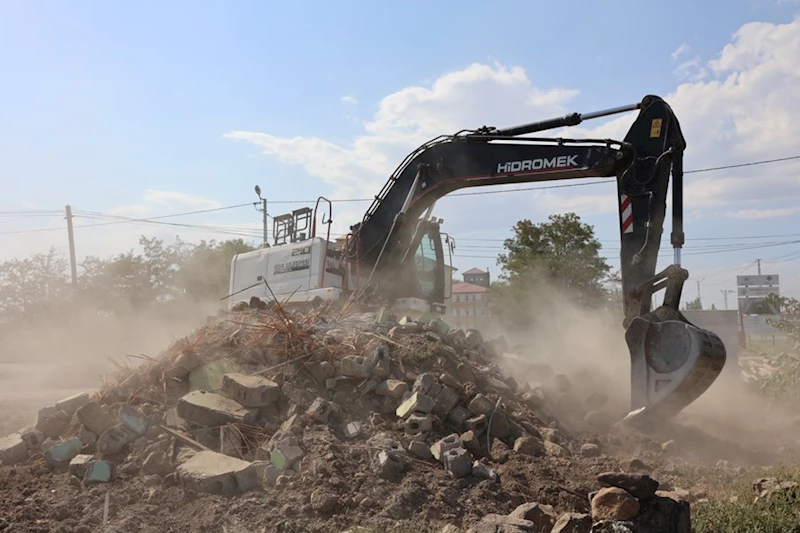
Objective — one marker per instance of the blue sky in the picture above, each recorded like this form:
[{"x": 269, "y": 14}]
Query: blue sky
[{"x": 147, "y": 109}]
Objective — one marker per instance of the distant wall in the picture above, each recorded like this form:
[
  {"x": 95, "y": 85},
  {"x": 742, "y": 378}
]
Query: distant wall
[{"x": 726, "y": 325}]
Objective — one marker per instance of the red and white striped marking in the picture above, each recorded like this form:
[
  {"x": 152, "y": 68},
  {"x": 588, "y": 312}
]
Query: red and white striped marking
[{"x": 627, "y": 213}]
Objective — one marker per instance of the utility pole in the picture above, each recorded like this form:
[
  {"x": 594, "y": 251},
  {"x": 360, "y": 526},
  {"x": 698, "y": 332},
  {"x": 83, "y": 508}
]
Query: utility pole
[
  {"x": 758, "y": 262},
  {"x": 725, "y": 294},
  {"x": 264, "y": 213},
  {"x": 71, "y": 235}
]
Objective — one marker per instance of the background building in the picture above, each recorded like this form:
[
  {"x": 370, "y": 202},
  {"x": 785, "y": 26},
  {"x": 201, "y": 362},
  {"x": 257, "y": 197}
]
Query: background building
[{"x": 469, "y": 303}]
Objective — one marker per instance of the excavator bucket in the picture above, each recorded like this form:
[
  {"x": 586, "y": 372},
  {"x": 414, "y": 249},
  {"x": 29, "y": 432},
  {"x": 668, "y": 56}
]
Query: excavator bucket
[{"x": 673, "y": 362}]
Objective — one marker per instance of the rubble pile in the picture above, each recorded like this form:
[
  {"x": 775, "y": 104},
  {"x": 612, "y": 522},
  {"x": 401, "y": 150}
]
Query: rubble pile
[{"x": 332, "y": 414}]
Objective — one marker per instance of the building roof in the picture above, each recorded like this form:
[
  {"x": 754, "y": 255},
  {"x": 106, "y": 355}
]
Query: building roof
[
  {"x": 468, "y": 288},
  {"x": 474, "y": 271}
]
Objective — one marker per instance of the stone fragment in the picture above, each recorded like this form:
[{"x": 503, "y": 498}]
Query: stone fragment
[
  {"x": 482, "y": 471},
  {"x": 590, "y": 450},
  {"x": 157, "y": 463},
  {"x": 387, "y": 464},
  {"x": 464, "y": 373},
  {"x": 529, "y": 446},
  {"x": 114, "y": 439},
  {"x": 271, "y": 475},
  {"x": 444, "y": 401},
  {"x": 88, "y": 438},
  {"x": 357, "y": 366},
  {"x": 185, "y": 363},
  {"x": 765, "y": 488},
  {"x": 134, "y": 418},
  {"x": 663, "y": 514},
  {"x": 323, "y": 501},
  {"x": 424, "y": 382},
  {"x": 447, "y": 443},
  {"x": 217, "y": 473},
  {"x": 534, "y": 398},
  {"x": 613, "y": 526},
  {"x": 61, "y": 454},
  {"x": 641, "y": 486},
  {"x": 458, "y": 462},
  {"x": 573, "y": 523},
  {"x": 52, "y": 422},
  {"x": 613, "y": 503},
  {"x": 420, "y": 450},
  {"x": 250, "y": 391},
  {"x": 33, "y": 437},
  {"x": 93, "y": 416},
  {"x": 451, "y": 381},
  {"x": 543, "y": 516},
  {"x": 213, "y": 410},
  {"x": 417, "y": 403},
  {"x": 285, "y": 454},
  {"x": 13, "y": 449},
  {"x": 555, "y": 450},
  {"x": 98, "y": 472},
  {"x": 392, "y": 388},
  {"x": 320, "y": 410},
  {"x": 73, "y": 403},
  {"x": 352, "y": 430},
  {"x": 417, "y": 423},
  {"x": 493, "y": 523},
  {"x": 79, "y": 464}
]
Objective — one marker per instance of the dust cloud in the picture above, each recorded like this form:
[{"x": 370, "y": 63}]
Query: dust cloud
[{"x": 48, "y": 360}]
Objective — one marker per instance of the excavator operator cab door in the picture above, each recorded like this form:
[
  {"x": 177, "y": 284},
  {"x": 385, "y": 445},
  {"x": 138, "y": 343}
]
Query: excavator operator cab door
[{"x": 428, "y": 281}]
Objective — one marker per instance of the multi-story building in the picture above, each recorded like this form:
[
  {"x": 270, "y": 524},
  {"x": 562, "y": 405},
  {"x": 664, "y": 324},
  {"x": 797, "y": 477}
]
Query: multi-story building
[{"x": 469, "y": 303}]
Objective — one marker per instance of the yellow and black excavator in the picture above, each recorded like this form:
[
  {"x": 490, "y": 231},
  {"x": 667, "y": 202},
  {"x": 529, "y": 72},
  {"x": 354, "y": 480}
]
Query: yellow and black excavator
[{"x": 396, "y": 252}]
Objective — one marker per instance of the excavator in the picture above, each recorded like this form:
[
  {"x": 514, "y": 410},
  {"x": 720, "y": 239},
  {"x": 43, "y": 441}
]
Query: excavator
[{"x": 395, "y": 254}]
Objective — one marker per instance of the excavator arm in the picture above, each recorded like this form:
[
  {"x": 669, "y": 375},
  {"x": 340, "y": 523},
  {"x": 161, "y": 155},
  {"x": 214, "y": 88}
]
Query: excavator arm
[{"x": 672, "y": 361}]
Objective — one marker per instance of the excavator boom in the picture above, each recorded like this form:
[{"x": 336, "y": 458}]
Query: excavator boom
[{"x": 672, "y": 361}]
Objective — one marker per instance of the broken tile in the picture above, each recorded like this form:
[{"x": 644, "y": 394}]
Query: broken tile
[
  {"x": 79, "y": 464},
  {"x": 98, "y": 472},
  {"x": 61, "y": 454}
]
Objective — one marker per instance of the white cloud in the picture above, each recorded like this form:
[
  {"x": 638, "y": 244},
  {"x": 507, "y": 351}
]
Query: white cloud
[
  {"x": 682, "y": 49},
  {"x": 691, "y": 70},
  {"x": 763, "y": 213},
  {"x": 178, "y": 200},
  {"x": 352, "y": 100}
]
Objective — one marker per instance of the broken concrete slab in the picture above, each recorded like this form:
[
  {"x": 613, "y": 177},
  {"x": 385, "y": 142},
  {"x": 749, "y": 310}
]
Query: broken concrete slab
[
  {"x": 52, "y": 425},
  {"x": 73, "y": 403},
  {"x": 285, "y": 454},
  {"x": 13, "y": 449},
  {"x": 250, "y": 391},
  {"x": 79, "y": 464},
  {"x": 93, "y": 416},
  {"x": 213, "y": 410},
  {"x": 444, "y": 401},
  {"x": 114, "y": 439},
  {"x": 33, "y": 437},
  {"x": 393, "y": 388},
  {"x": 61, "y": 454},
  {"x": 217, "y": 473}
]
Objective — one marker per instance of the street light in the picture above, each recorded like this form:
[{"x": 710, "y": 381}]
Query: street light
[{"x": 264, "y": 212}]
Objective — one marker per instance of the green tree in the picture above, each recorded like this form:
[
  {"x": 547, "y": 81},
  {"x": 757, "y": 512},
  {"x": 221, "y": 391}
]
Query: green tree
[
  {"x": 693, "y": 305},
  {"x": 559, "y": 258},
  {"x": 37, "y": 286}
]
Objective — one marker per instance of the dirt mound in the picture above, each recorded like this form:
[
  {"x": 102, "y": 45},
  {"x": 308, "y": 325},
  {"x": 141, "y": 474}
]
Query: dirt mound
[{"x": 270, "y": 420}]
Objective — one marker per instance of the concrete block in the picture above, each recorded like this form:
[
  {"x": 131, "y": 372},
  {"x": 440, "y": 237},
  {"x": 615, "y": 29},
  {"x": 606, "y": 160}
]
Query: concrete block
[
  {"x": 447, "y": 443},
  {"x": 321, "y": 410},
  {"x": 52, "y": 425},
  {"x": 134, "y": 418},
  {"x": 424, "y": 382},
  {"x": 79, "y": 464},
  {"x": 393, "y": 388},
  {"x": 13, "y": 449},
  {"x": 357, "y": 366},
  {"x": 94, "y": 417},
  {"x": 73, "y": 403},
  {"x": 417, "y": 403},
  {"x": 285, "y": 454},
  {"x": 213, "y": 410},
  {"x": 61, "y": 454},
  {"x": 157, "y": 463},
  {"x": 98, "y": 472},
  {"x": 115, "y": 438},
  {"x": 217, "y": 473},
  {"x": 481, "y": 405},
  {"x": 208, "y": 376},
  {"x": 382, "y": 368},
  {"x": 458, "y": 416},
  {"x": 250, "y": 391},
  {"x": 451, "y": 381},
  {"x": 477, "y": 424},
  {"x": 458, "y": 462},
  {"x": 387, "y": 464},
  {"x": 417, "y": 423},
  {"x": 471, "y": 443},
  {"x": 420, "y": 450},
  {"x": 271, "y": 475},
  {"x": 33, "y": 437},
  {"x": 444, "y": 401},
  {"x": 482, "y": 471},
  {"x": 352, "y": 430}
]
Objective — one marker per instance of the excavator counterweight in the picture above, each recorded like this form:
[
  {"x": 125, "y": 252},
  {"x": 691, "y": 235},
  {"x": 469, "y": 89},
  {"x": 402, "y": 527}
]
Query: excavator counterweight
[{"x": 394, "y": 254}]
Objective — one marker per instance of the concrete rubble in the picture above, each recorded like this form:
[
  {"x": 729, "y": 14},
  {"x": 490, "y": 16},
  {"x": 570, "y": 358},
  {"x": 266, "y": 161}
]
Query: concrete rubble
[{"x": 265, "y": 419}]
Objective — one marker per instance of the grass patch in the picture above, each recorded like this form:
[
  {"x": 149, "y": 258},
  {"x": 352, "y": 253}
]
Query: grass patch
[{"x": 736, "y": 512}]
